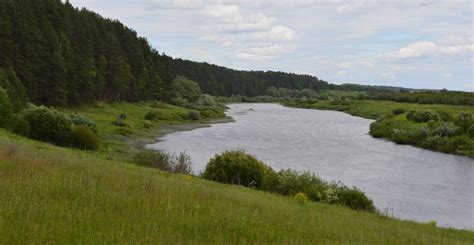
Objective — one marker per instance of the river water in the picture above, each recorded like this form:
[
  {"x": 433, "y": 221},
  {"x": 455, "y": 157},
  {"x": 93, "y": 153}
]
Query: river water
[{"x": 408, "y": 182}]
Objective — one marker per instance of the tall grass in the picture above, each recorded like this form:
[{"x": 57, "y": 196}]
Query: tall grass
[{"x": 56, "y": 195}]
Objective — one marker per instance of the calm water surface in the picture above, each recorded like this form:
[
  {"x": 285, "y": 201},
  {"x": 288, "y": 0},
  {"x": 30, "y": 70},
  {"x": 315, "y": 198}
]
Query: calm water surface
[{"x": 411, "y": 183}]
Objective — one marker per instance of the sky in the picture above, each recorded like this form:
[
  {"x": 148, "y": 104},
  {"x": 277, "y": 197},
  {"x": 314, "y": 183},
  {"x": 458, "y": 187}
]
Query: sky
[{"x": 407, "y": 43}]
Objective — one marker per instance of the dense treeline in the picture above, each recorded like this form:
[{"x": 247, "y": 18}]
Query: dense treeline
[
  {"x": 63, "y": 55},
  {"x": 221, "y": 81},
  {"x": 427, "y": 97},
  {"x": 66, "y": 56}
]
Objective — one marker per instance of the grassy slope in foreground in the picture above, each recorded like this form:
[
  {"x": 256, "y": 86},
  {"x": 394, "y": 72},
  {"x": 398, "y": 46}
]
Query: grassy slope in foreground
[
  {"x": 52, "y": 194},
  {"x": 374, "y": 109}
]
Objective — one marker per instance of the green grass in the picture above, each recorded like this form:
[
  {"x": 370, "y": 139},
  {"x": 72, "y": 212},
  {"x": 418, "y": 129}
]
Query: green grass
[
  {"x": 57, "y": 195},
  {"x": 120, "y": 142},
  {"x": 373, "y": 109}
]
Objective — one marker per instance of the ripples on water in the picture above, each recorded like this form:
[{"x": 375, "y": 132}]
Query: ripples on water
[{"x": 410, "y": 182}]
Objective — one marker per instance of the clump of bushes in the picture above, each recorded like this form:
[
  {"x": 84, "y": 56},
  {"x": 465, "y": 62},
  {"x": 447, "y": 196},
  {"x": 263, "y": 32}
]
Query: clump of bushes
[
  {"x": 83, "y": 138},
  {"x": 123, "y": 116},
  {"x": 464, "y": 120},
  {"x": 81, "y": 120},
  {"x": 398, "y": 111},
  {"x": 152, "y": 115},
  {"x": 194, "y": 115},
  {"x": 45, "y": 124},
  {"x": 423, "y": 116},
  {"x": 163, "y": 161},
  {"x": 237, "y": 167}
]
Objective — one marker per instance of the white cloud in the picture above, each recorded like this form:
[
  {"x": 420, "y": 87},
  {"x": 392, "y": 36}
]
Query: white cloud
[
  {"x": 173, "y": 4},
  {"x": 276, "y": 33},
  {"x": 261, "y": 53},
  {"x": 387, "y": 75},
  {"x": 446, "y": 75},
  {"x": 222, "y": 11},
  {"x": 424, "y": 48},
  {"x": 341, "y": 73},
  {"x": 344, "y": 9}
]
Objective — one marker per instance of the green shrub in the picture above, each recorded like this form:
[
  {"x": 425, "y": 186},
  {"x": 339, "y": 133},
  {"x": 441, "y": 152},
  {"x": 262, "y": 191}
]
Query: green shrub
[
  {"x": 163, "y": 161},
  {"x": 444, "y": 115},
  {"x": 398, "y": 111},
  {"x": 464, "y": 120},
  {"x": 444, "y": 130},
  {"x": 205, "y": 100},
  {"x": 179, "y": 101},
  {"x": 119, "y": 122},
  {"x": 353, "y": 198},
  {"x": 19, "y": 125},
  {"x": 123, "y": 116},
  {"x": 423, "y": 116},
  {"x": 152, "y": 115},
  {"x": 236, "y": 167},
  {"x": 434, "y": 142},
  {"x": 83, "y": 138},
  {"x": 80, "y": 120},
  {"x": 6, "y": 110},
  {"x": 45, "y": 124},
  {"x": 194, "y": 115},
  {"x": 470, "y": 131},
  {"x": 147, "y": 125}
]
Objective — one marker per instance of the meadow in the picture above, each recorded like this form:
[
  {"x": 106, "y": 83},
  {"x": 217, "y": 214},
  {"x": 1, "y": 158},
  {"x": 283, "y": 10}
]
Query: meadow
[{"x": 61, "y": 195}]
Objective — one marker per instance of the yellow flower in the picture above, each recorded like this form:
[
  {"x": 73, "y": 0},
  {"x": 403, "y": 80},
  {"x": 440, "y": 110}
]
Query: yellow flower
[{"x": 301, "y": 197}]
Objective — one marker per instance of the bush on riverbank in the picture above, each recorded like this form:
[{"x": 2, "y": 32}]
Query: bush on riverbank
[{"x": 237, "y": 167}]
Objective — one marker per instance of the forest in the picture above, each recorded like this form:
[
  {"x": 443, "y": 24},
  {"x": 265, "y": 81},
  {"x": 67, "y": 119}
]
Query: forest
[{"x": 60, "y": 55}]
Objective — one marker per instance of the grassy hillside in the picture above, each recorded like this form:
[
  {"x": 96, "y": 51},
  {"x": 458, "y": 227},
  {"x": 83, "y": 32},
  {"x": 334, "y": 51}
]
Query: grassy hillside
[{"x": 52, "y": 194}]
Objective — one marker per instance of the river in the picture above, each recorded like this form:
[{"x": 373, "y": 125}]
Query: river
[{"x": 407, "y": 182}]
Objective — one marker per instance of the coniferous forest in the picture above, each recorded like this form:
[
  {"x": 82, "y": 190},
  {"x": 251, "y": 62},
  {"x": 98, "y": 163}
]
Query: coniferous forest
[{"x": 61, "y": 55}]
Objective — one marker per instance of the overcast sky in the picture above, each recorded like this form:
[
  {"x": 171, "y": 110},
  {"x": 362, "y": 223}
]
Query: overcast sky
[{"x": 418, "y": 44}]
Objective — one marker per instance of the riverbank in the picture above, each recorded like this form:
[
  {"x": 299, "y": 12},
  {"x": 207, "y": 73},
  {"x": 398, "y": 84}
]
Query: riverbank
[{"x": 441, "y": 134}]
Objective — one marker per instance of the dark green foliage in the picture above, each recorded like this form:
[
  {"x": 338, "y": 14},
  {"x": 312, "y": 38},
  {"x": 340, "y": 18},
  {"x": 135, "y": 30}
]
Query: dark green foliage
[
  {"x": 152, "y": 115},
  {"x": 123, "y": 116},
  {"x": 464, "y": 120},
  {"x": 45, "y": 124},
  {"x": 83, "y": 138},
  {"x": 163, "y": 161},
  {"x": 185, "y": 90},
  {"x": 194, "y": 115},
  {"x": 147, "y": 125},
  {"x": 236, "y": 167},
  {"x": 14, "y": 87},
  {"x": 423, "y": 116},
  {"x": 6, "y": 111},
  {"x": 80, "y": 120},
  {"x": 398, "y": 111},
  {"x": 290, "y": 182},
  {"x": 120, "y": 122},
  {"x": 426, "y": 97}
]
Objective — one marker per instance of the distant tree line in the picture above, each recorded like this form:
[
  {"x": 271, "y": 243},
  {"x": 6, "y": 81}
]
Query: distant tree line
[{"x": 425, "y": 97}]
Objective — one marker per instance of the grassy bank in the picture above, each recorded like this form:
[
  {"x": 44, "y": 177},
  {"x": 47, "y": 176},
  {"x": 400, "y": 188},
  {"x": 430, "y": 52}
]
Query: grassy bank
[
  {"x": 119, "y": 142},
  {"x": 441, "y": 135},
  {"x": 52, "y": 194}
]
